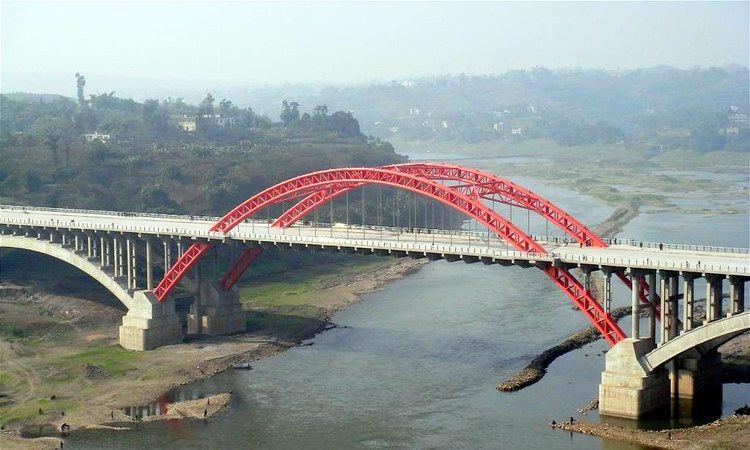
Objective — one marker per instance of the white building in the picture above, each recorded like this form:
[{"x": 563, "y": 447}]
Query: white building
[{"x": 95, "y": 136}]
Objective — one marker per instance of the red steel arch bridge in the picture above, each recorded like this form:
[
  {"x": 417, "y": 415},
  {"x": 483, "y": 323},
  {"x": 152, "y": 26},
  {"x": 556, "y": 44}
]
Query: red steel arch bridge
[{"x": 111, "y": 237}]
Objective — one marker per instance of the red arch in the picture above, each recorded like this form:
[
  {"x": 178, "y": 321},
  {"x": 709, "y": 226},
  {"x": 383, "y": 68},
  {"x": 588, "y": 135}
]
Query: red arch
[
  {"x": 478, "y": 184},
  {"x": 335, "y": 179}
]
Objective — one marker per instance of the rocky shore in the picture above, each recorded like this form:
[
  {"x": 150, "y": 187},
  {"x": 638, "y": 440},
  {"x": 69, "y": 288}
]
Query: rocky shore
[
  {"x": 732, "y": 433},
  {"x": 537, "y": 368}
]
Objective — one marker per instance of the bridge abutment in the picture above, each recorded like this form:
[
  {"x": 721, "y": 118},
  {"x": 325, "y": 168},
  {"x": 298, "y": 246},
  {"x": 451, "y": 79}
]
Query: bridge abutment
[
  {"x": 627, "y": 389},
  {"x": 149, "y": 323},
  {"x": 216, "y": 312},
  {"x": 699, "y": 377}
]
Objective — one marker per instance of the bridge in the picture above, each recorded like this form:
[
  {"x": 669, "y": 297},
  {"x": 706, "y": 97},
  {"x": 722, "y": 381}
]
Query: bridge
[{"x": 110, "y": 246}]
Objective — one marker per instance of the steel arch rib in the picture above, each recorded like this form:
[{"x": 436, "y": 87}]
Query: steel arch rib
[
  {"x": 336, "y": 179},
  {"x": 484, "y": 185}
]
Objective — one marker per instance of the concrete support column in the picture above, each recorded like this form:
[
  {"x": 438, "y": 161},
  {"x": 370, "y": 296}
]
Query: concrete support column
[
  {"x": 129, "y": 252},
  {"x": 713, "y": 298},
  {"x": 626, "y": 389},
  {"x": 719, "y": 295},
  {"x": 133, "y": 263},
  {"x": 102, "y": 253},
  {"x": 652, "y": 307},
  {"x": 76, "y": 244},
  {"x": 149, "y": 266},
  {"x": 149, "y": 323},
  {"x": 674, "y": 292},
  {"x": 116, "y": 256},
  {"x": 607, "y": 291},
  {"x": 635, "y": 284},
  {"x": 121, "y": 243},
  {"x": 737, "y": 295},
  {"x": 195, "y": 317},
  {"x": 62, "y": 239},
  {"x": 107, "y": 251},
  {"x": 688, "y": 298},
  {"x": 167, "y": 255},
  {"x": 89, "y": 247},
  {"x": 699, "y": 375},
  {"x": 664, "y": 308},
  {"x": 587, "y": 279}
]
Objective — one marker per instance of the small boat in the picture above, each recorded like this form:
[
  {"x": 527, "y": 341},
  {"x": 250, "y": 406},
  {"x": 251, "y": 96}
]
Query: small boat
[{"x": 242, "y": 366}]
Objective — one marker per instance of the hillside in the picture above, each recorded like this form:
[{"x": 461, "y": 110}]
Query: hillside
[{"x": 700, "y": 109}]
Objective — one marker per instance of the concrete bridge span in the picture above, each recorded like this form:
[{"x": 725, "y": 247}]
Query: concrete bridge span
[
  {"x": 69, "y": 256},
  {"x": 702, "y": 340}
]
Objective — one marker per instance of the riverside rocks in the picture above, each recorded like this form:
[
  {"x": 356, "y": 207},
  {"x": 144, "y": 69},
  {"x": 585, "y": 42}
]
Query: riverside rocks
[
  {"x": 537, "y": 368},
  {"x": 726, "y": 434},
  {"x": 591, "y": 406}
]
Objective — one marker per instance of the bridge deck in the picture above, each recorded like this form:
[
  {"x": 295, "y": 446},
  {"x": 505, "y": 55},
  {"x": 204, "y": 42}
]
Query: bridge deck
[{"x": 464, "y": 245}]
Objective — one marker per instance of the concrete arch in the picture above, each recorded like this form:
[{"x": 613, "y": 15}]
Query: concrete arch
[
  {"x": 58, "y": 252},
  {"x": 702, "y": 339}
]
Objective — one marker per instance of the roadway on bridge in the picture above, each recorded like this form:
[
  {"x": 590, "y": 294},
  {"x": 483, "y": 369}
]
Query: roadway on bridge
[{"x": 696, "y": 259}]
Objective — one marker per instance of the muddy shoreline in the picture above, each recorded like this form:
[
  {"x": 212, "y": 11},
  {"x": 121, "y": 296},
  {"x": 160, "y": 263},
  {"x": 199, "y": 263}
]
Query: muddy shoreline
[{"x": 730, "y": 433}]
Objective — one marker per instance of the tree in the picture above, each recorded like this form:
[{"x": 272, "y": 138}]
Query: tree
[
  {"x": 80, "y": 83},
  {"x": 207, "y": 105},
  {"x": 290, "y": 113}
]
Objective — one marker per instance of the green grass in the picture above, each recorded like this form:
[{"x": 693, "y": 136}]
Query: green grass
[
  {"x": 309, "y": 288},
  {"x": 12, "y": 333},
  {"x": 114, "y": 359},
  {"x": 10, "y": 413}
]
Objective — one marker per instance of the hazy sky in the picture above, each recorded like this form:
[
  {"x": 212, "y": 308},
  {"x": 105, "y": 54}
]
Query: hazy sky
[{"x": 273, "y": 43}]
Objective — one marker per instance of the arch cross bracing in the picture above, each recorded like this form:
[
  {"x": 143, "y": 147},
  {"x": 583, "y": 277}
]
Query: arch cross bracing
[
  {"x": 470, "y": 205},
  {"x": 63, "y": 254},
  {"x": 478, "y": 185}
]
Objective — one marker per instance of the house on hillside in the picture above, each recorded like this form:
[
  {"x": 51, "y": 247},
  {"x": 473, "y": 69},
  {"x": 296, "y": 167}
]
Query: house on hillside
[
  {"x": 187, "y": 125},
  {"x": 215, "y": 120},
  {"x": 96, "y": 136}
]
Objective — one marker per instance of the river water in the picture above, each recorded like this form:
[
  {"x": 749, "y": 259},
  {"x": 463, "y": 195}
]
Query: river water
[{"x": 415, "y": 365}]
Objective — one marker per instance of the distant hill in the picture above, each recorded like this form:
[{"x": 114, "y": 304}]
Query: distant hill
[{"x": 656, "y": 106}]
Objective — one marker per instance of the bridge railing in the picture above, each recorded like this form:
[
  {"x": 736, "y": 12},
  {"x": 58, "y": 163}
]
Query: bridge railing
[
  {"x": 404, "y": 245},
  {"x": 461, "y": 233}
]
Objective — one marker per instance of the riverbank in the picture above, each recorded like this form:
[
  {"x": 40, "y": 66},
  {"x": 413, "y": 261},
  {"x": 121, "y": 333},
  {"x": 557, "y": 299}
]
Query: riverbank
[
  {"x": 84, "y": 375},
  {"x": 726, "y": 434}
]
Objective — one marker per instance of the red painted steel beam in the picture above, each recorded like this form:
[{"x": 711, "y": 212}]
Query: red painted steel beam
[
  {"x": 469, "y": 203},
  {"x": 240, "y": 265},
  {"x": 334, "y": 179},
  {"x": 474, "y": 183}
]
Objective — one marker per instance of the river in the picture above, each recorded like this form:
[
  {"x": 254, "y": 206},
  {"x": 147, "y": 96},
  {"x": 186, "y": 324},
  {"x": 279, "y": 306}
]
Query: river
[{"x": 415, "y": 365}]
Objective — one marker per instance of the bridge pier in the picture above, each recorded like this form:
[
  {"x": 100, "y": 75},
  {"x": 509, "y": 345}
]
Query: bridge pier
[
  {"x": 737, "y": 294},
  {"x": 149, "y": 266},
  {"x": 149, "y": 323},
  {"x": 627, "y": 389},
  {"x": 688, "y": 301},
  {"x": 652, "y": 307},
  {"x": 222, "y": 311},
  {"x": 714, "y": 294}
]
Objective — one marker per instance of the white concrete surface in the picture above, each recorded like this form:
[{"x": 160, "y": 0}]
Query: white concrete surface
[{"x": 694, "y": 259}]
